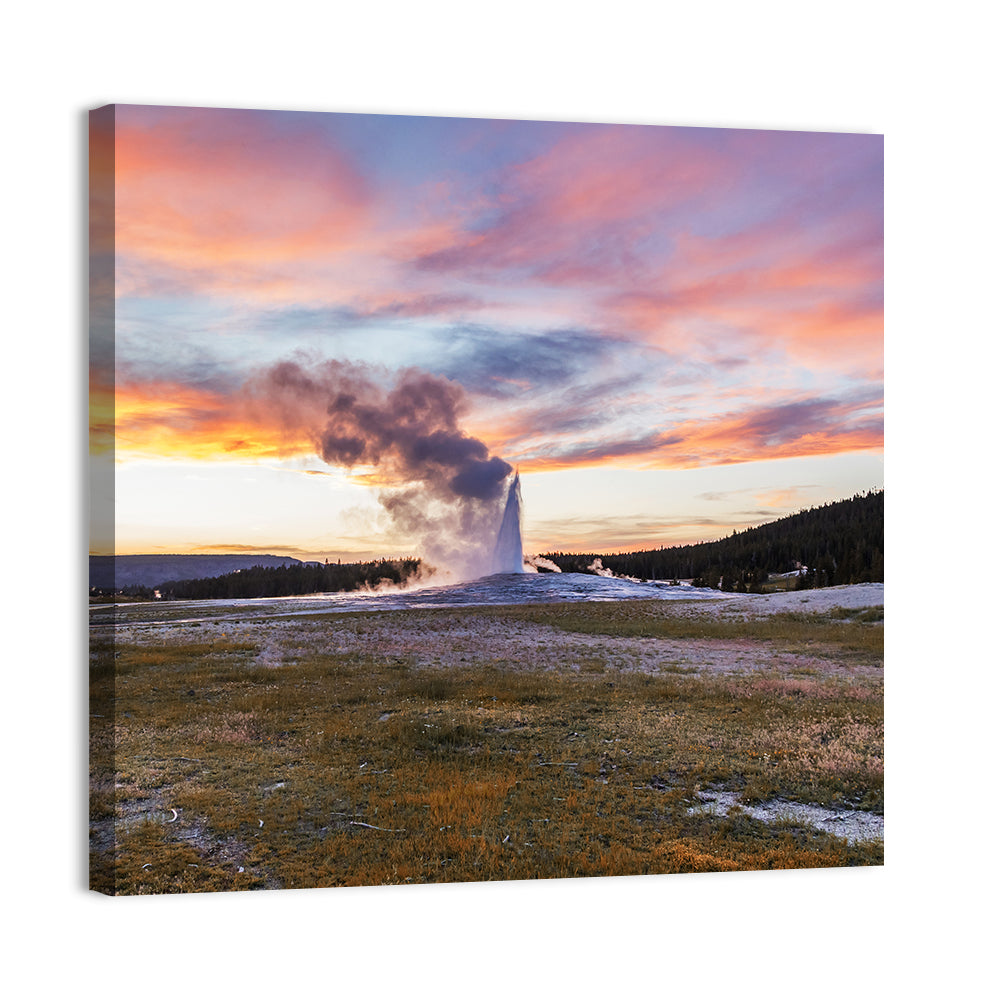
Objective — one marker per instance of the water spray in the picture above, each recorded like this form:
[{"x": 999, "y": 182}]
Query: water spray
[{"x": 508, "y": 554}]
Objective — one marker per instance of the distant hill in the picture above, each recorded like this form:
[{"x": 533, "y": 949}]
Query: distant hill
[
  {"x": 840, "y": 542},
  {"x": 118, "y": 572}
]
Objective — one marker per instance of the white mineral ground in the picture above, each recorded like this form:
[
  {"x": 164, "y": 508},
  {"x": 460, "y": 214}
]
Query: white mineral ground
[{"x": 852, "y": 824}]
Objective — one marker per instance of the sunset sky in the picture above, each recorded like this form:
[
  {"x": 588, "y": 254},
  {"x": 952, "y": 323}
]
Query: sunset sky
[{"x": 671, "y": 332}]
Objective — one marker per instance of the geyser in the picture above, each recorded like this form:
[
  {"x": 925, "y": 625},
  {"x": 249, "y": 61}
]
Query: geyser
[{"x": 508, "y": 555}]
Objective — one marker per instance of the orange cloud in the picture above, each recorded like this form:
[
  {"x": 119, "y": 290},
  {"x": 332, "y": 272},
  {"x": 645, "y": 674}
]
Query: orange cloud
[
  {"x": 793, "y": 431},
  {"x": 812, "y": 313},
  {"x": 241, "y": 203},
  {"x": 758, "y": 433},
  {"x": 213, "y": 189},
  {"x": 181, "y": 421}
]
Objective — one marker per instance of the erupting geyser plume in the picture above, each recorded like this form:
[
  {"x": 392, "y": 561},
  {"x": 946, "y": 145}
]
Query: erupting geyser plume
[
  {"x": 441, "y": 487},
  {"x": 508, "y": 555}
]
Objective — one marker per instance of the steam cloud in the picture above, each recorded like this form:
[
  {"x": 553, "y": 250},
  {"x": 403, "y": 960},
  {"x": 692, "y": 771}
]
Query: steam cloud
[
  {"x": 540, "y": 562},
  {"x": 444, "y": 488},
  {"x": 597, "y": 567}
]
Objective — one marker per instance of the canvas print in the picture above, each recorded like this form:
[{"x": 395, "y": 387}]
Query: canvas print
[{"x": 481, "y": 500}]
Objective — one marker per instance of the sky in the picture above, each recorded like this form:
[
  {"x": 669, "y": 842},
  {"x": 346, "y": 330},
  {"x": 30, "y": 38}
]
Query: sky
[{"x": 336, "y": 336}]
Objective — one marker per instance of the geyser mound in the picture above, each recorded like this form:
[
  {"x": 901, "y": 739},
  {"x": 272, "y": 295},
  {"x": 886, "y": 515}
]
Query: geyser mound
[{"x": 508, "y": 553}]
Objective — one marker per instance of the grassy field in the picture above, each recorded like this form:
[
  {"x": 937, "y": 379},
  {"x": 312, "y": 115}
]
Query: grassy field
[{"x": 364, "y": 763}]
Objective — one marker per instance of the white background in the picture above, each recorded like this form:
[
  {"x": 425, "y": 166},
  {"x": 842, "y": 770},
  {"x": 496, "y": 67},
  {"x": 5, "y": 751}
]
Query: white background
[{"x": 924, "y": 78}]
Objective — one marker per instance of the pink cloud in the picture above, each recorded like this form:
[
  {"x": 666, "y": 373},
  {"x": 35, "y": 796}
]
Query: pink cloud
[
  {"x": 579, "y": 211},
  {"x": 224, "y": 188}
]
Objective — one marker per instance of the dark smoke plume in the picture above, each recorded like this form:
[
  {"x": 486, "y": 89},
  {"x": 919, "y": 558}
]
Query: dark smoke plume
[{"x": 444, "y": 487}]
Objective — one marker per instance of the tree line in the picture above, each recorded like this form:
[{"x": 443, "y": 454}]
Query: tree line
[
  {"x": 287, "y": 581},
  {"x": 840, "y": 542}
]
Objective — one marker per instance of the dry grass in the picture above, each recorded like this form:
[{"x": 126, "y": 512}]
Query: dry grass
[
  {"x": 843, "y": 632},
  {"x": 359, "y": 768}
]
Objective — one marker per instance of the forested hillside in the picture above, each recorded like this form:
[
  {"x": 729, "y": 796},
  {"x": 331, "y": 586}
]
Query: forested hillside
[
  {"x": 284, "y": 581},
  {"x": 840, "y": 542}
]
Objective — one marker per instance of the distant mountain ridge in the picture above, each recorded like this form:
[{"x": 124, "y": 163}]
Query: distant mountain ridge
[{"x": 108, "y": 572}]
